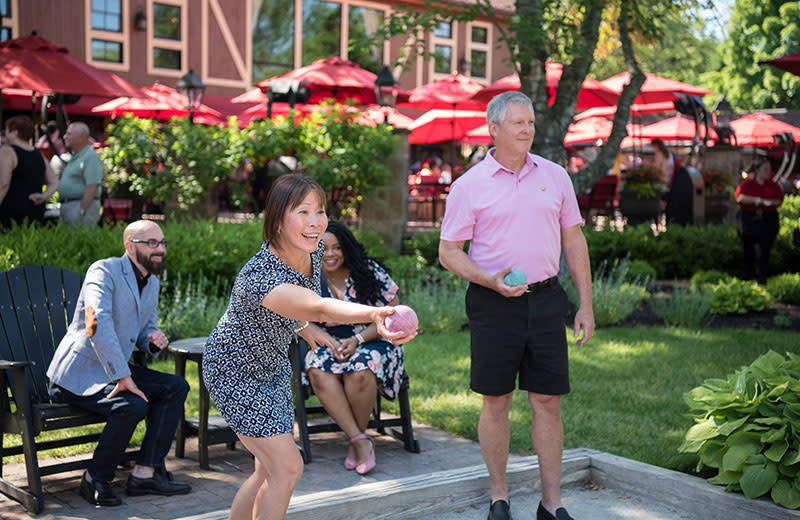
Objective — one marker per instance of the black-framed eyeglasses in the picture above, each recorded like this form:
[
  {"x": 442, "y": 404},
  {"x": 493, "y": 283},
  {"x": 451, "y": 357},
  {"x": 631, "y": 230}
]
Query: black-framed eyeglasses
[{"x": 151, "y": 243}]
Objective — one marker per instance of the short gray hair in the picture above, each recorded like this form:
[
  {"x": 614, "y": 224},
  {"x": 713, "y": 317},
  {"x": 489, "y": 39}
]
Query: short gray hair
[
  {"x": 498, "y": 106},
  {"x": 82, "y": 127}
]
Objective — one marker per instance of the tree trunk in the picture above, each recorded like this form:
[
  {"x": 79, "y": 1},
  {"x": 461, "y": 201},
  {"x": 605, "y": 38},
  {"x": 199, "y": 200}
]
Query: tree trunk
[{"x": 588, "y": 176}]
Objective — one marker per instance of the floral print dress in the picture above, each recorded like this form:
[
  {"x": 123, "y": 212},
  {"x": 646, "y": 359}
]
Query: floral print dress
[{"x": 383, "y": 358}]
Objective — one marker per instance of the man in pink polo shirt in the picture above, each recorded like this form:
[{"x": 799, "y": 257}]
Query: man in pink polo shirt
[{"x": 518, "y": 210}]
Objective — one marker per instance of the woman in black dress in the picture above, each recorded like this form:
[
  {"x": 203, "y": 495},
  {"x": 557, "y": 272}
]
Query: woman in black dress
[
  {"x": 246, "y": 363},
  {"x": 23, "y": 172}
]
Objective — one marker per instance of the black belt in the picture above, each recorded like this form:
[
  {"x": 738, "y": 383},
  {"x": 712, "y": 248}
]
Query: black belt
[{"x": 544, "y": 284}]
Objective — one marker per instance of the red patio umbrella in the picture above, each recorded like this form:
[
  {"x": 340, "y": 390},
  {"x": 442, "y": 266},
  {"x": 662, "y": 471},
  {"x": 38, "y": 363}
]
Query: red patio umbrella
[
  {"x": 374, "y": 115},
  {"x": 757, "y": 129},
  {"x": 438, "y": 125},
  {"x": 453, "y": 91},
  {"x": 35, "y": 64},
  {"x": 332, "y": 78},
  {"x": 252, "y": 96},
  {"x": 478, "y": 135},
  {"x": 677, "y": 128},
  {"x": 592, "y": 93},
  {"x": 788, "y": 63},
  {"x": 160, "y": 102},
  {"x": 636, "y": 110},
  {"x": 655, "y": 88}
]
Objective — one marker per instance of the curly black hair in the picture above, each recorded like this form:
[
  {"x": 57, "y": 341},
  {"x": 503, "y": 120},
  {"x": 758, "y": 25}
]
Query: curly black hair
[{"x": 368, "y": 288}]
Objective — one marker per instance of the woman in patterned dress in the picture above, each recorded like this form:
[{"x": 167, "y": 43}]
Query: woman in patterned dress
[
  {"x": 346, "y": 378},
  {"x": 246, "y": 363}
]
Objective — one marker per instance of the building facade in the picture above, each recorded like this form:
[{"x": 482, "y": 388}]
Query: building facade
[{"x": 233, "y": 44}]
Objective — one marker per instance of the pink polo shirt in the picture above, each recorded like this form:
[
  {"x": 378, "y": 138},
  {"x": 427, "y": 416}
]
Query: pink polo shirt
[{"x": 512, "y": 220}]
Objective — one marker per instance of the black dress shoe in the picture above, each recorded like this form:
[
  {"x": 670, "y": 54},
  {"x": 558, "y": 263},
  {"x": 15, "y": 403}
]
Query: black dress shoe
[
  {"x": 158, "y": 484},
  {"x": 544, "y": 514},
  {"x": 499, "y": 510},
  {"x": 98, "y": 493}
]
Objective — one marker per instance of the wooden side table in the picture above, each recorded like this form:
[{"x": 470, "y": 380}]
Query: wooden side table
[{"x": 209, "y": 430}]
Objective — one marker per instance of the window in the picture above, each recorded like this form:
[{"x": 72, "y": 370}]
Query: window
[
  {"x": 5, "y": 9},
  {"x": 107, "y": 34},
  {"x": 168, "y": 37},
  {"x": 479, "y": 50},
  {"x": 103, "y": 50},
  {"x": 363, "y": 22},
  {"x": 479, "y": 35},
  {"x": 443, "y": 30},
  {"x": 443, "y": 56},
  {"x": 273, "y": 39},
  {"x": 166, "y": 21},
  {"x": 285, "y": 39},
  {"x": 5, "y": 34},
  {"x": 166, "y": 58},
  {"x": 107, "y": 15},
  {"x": 322, "y": 26},
  {"x": 443, "y": 45}
]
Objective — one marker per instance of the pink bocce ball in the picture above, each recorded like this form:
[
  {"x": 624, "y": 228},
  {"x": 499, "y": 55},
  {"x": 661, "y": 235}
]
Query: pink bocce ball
[{"x": 403, "y": 320}]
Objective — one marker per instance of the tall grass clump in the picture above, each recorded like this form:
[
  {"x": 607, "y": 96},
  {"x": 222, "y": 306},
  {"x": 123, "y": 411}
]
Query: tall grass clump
[
  {"x": 438, "y": 300},
  {"x": 613, "y": 298},
  {"x": 189, "y": 307},
  {"x": 683, "y": 308}
]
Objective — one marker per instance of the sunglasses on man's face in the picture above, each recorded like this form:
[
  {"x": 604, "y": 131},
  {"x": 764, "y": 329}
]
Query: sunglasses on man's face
[{"x": 151, "y": 243}]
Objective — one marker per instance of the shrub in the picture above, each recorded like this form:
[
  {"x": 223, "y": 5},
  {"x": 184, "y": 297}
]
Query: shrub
[
  {"x": 640, "y": 271},
  {"x": 785, "y": 287},
  {"x": 677, "y": 252},
  {"x": 738, "y": 297},
  {"x": 748, "y": 428},
  {"x": 197, "y": 248},
  {"x": 710, "y": 277},
  {"x": 8, "y": 259},
  {"x": 374, "y": 244},
  {"x": 683, "y": 308},
  {"x": 425, "y": 246}
]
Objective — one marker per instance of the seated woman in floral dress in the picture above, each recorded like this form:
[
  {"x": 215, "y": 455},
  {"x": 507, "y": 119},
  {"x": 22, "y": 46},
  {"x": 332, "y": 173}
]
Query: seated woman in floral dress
[{"x": 346, "y": 377}]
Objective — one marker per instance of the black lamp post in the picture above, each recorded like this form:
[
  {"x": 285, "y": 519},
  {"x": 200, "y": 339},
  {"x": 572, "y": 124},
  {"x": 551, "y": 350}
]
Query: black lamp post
[
  {"x": 193, "y": 88},
  {"x": 286, "y": 91},
  {"x": 386, "y": 89}
]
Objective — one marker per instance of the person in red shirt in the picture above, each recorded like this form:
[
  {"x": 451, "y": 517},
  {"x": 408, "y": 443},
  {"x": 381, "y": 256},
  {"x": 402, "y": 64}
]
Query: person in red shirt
[{"x": 759, "y": 197}]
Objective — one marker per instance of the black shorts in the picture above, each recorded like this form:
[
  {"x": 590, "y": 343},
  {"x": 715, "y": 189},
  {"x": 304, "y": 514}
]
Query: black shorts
[{"x": 524, "y": 335}]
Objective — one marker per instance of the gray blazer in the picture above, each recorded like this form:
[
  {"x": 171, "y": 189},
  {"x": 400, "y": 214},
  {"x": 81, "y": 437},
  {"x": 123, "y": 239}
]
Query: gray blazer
[{"x": 124, "y": 319}]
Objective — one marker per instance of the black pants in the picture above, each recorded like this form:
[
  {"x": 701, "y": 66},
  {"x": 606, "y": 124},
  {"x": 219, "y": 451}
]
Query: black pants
[
  {"x": 165, "y": 395},
  {"x": 759, "y": 230}
]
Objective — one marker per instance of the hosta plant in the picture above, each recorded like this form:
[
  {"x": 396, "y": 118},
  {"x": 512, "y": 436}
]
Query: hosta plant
[
  {"x": 738, "y": 297},
  {"x": 748, "y": 428}
]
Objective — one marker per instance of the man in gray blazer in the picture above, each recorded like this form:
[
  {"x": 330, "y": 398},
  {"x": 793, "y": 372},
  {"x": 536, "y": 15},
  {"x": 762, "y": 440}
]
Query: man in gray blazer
[{"x": 90, "y": 368}]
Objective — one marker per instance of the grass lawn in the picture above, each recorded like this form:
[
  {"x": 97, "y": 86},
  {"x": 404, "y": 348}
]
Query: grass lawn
[{"x": 627, "y": 387}]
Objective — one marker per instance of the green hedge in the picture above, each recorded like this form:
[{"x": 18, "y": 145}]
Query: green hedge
[
  {"x": 196, "y": 248},
  {"x": 219, "y": 249}
]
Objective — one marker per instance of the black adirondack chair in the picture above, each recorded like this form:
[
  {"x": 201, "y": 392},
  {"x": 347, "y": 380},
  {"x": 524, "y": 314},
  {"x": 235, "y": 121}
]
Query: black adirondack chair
[
  {"x": 36, "y": 305},
  {"x": 405, "y": 432}
]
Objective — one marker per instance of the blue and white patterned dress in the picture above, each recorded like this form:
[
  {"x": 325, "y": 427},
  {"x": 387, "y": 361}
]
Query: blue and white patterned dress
[
  {"x": 246, "y": 364},
  {"x": 382, "y": 357}
]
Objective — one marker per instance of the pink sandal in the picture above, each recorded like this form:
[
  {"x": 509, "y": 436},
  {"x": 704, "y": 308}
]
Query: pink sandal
[
  {"x": 369, "y": 464},
  {"x": 350, "y": 463}
]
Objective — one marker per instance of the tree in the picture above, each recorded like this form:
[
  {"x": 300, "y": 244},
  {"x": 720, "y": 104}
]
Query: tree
[
  {"x": 567, "y": 32},
  {"x": 759, "y": 30}
]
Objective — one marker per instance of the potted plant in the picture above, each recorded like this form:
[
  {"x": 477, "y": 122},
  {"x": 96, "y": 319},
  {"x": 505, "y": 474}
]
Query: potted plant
[
  {"x": 718, "y": 191},
  {"x": 640, "y": 193}
]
